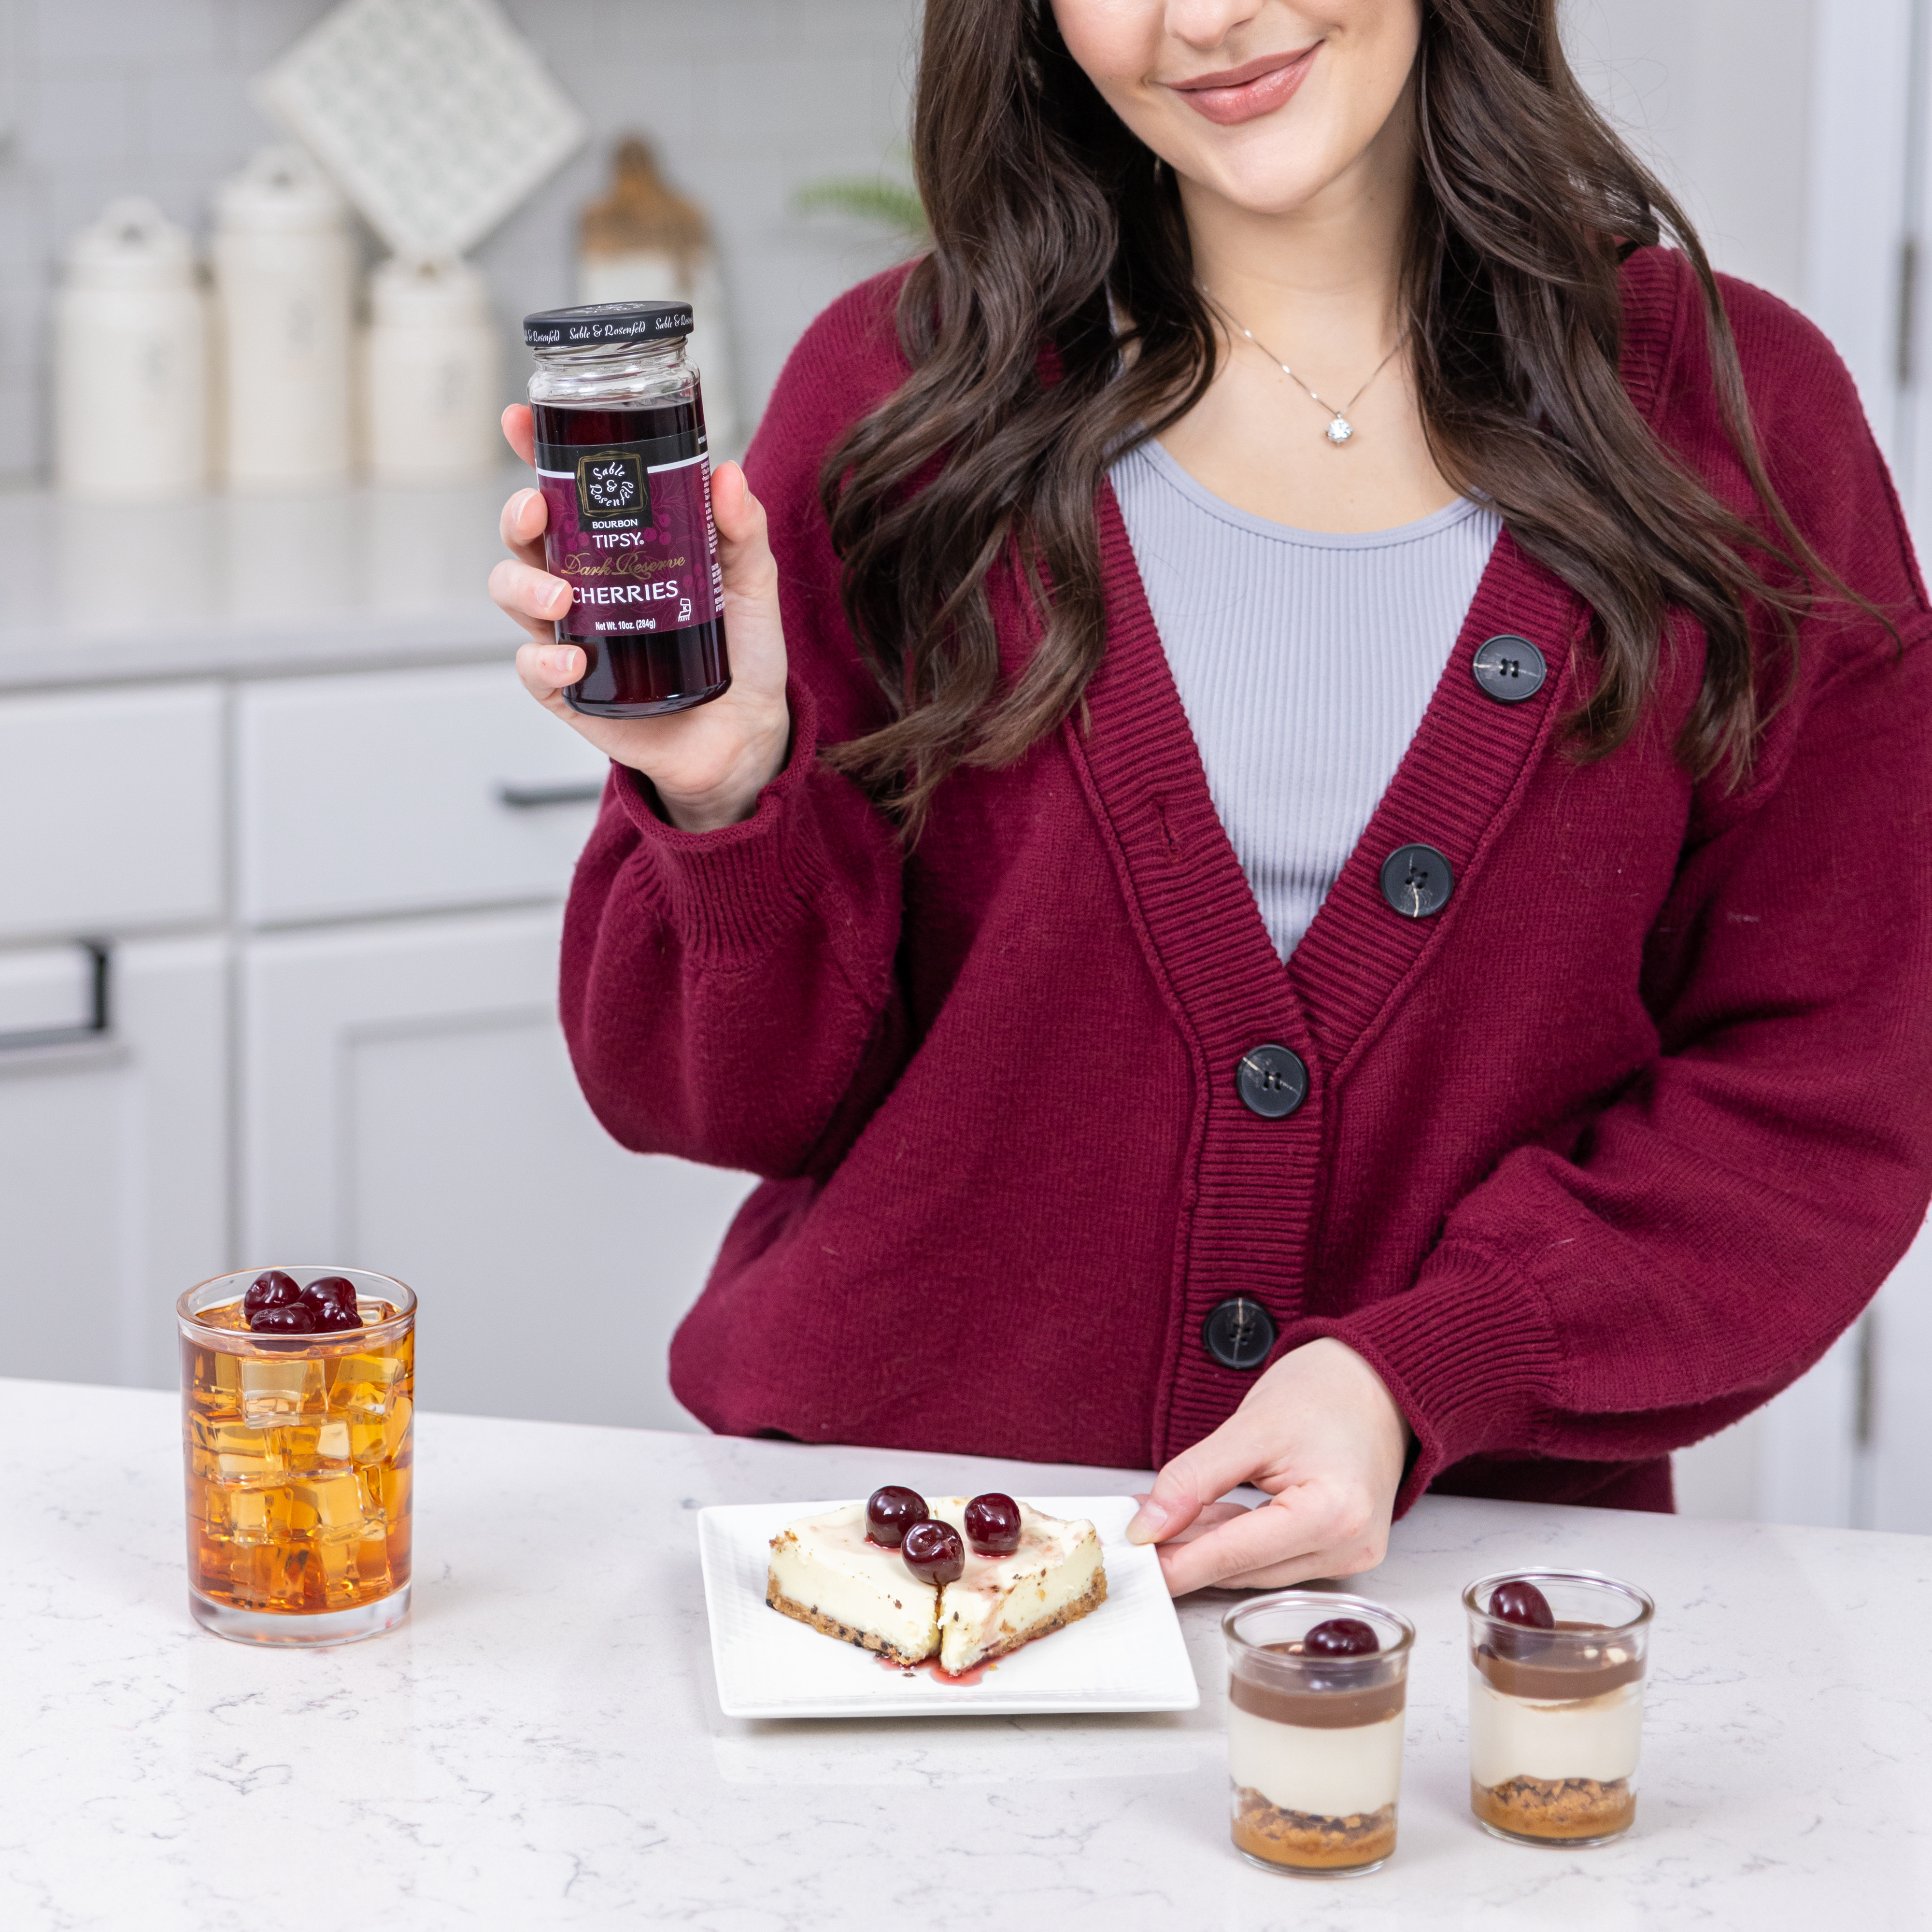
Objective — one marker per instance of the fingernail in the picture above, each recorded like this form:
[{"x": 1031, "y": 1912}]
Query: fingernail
[{"x": 1147, "y": 1524}]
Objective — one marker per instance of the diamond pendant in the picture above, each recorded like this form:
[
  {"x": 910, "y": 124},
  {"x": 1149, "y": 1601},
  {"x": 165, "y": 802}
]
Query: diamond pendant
[{"x": 1340, "y": 429}]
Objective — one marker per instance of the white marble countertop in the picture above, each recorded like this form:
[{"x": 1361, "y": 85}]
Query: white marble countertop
[
  {"x": 247, "y": 585},
  {"x": 540, "y": 1745}
]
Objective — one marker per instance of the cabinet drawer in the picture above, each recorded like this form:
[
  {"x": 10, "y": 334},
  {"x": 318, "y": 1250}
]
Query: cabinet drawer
[
  {"x": 110, "y": 811},
  {"x": 406, "y": 790}
]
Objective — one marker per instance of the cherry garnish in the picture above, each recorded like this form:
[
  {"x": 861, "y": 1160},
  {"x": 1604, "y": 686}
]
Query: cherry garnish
[
  {"x": 332, "y": 1303},
  {"x": 934, "y": 1553},
  {"x": 274, "y": 1289},
  {"x": 891, "y": 1511},
  {"x": 291, "y": 1319},
  {"x": 1341, "y": 1636},
  {"x": 1521, "y": 1603},
  {"x": 993, "y": 1525}
]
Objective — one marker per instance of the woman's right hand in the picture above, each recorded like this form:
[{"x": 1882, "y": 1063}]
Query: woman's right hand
[{"x": 708, "y": 764}]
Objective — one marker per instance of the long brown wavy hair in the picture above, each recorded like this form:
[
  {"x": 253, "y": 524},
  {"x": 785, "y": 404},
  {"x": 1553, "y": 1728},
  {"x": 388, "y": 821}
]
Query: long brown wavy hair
[{"x": 1049, "y": 219}]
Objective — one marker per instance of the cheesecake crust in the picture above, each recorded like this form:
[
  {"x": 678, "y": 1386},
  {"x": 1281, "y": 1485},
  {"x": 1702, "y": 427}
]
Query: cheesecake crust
[
  {"x": 1556, "y": 1808},
  {"x": 1307, "y": 1842},
  {"x": 790, "y": 1606},
  {"x": 1090, "y": 1600}
]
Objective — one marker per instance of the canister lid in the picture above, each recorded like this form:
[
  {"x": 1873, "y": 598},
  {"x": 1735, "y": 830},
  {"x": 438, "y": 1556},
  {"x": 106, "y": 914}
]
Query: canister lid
[{"x": 592, "y": 322}]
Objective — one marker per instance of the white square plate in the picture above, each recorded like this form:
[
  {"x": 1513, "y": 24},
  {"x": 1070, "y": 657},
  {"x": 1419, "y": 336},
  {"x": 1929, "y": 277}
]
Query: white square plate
[{"x": 1128, "y": 1655}]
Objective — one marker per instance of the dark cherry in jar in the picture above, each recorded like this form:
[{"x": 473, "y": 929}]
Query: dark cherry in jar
[
  {"x": 993, "y": 1525},
  {"x": 273, "y": 1289},
  {"x": 891, "y": 1511},
  {"x": 1341, "y": 1636},
  {"x": 934, "y": 1553}
]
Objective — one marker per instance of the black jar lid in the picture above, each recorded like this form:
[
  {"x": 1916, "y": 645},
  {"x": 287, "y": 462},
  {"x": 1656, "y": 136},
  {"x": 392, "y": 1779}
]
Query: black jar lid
[{"x": 607, "y": 322}]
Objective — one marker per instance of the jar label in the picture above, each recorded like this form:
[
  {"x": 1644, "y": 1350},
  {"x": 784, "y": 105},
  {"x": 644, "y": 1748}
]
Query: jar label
[{"x": 631, "y": 532}]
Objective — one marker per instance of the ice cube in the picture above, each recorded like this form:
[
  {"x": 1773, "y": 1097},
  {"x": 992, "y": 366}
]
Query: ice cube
[
  {"x": 248, "y": 1518},
  {"x": 232, "y": 1452},
  {"x": 362, "y": 1384},
  {"x": 318, "y": 1447},
  {"x": 279, "y": 1390},
  {"x": 333, "y": 1509}
]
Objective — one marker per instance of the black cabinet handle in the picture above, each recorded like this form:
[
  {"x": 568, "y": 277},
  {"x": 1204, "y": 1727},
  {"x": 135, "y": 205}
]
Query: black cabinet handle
[
  {"x": 535, "y": 797},
  {"x": 100, "y": 1007}
]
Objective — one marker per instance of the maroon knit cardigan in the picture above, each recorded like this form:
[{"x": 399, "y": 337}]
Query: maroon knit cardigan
[{"x": 1593, "y": 1162}]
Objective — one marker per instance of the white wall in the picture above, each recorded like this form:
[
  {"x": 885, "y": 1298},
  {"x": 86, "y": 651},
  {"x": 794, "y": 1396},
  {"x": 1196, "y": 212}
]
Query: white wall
[{"x": 1717, "y": 96}]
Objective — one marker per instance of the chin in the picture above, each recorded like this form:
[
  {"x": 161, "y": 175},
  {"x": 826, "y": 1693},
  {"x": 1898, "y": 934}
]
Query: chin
[{"x": 1264, "y": 182}]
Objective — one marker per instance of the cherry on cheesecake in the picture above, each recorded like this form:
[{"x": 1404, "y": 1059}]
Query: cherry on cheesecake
[
  {"x": 993, "y": 1525},
  {"x": 891, "y": 1511},
  {"x": 934, "y": 1553}
]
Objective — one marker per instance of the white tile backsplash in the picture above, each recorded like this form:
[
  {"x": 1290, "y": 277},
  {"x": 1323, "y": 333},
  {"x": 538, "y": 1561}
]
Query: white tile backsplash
[{"x": 746, "y": 100}]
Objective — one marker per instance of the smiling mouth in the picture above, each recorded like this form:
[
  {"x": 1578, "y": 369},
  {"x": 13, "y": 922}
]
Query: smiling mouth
[{"x": 1244, "y": 93}]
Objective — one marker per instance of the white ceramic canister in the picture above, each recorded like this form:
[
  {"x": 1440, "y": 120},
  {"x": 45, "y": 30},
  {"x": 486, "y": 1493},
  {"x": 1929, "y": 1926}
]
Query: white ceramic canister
[
  {"x": 130, "y": 361},
  {"x": 432, "y": 368},
  {"x": 283, "y": 277}
]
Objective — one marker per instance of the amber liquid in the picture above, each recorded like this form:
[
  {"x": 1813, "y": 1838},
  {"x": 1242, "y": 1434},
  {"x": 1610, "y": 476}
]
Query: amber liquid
[
  {"x": 660, "y": 670},
  {"x": 298, "y": 1465}
]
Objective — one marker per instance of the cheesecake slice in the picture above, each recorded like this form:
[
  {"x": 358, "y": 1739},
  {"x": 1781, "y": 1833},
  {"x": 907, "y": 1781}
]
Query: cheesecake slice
[
  {"x": 1054, "y": 1577},
  {"x": 826, "y": 1571}
]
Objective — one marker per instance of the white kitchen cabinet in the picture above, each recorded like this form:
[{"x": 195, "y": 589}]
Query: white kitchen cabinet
[
  {"x": 110, "y": 811},
  {"x": 113, "y": 1155},
  {"x": 407, "y": 792},
  {"x": 408, "y": 1105}
]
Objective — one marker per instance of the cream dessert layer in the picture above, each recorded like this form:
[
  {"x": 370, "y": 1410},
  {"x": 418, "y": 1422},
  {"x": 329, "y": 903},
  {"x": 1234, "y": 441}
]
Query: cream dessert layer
[
  {"x": 826, "y": 1572},
  {"x": 1326, "y": 1773},
  {"x": 1584, "y": 1737},
  {"x": 1053, "y": 1577}
]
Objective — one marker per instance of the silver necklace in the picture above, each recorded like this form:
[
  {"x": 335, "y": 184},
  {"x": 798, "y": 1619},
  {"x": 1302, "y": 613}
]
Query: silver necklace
[{"x": 1339, "y": 429}]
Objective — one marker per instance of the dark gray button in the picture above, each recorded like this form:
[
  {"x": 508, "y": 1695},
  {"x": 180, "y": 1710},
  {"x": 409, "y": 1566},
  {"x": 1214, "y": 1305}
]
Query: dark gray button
[
  {"x": 1417, "y": 881},
  {"x": 1239, "y": 1334},
  {"x": 1510, "y": 668},
  {"x": 1272, "y": 1081}
]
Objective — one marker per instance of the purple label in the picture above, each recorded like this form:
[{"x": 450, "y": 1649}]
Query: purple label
[{"x": 633, "y": 539}]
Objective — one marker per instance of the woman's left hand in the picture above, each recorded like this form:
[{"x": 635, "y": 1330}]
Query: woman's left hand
[{"x": 1321, "y": 1434}]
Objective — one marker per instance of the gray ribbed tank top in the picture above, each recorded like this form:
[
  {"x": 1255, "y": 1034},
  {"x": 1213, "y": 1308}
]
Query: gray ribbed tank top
[{"x": 1305, "y": 662}]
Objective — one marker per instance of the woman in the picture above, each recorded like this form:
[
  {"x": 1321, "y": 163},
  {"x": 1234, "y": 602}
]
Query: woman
[{"x": 1309, "y": 877}]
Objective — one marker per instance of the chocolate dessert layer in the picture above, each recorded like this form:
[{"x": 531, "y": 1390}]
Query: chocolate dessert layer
[
  {"x": 1555, "y": 1808},
  {"x": 1530, "y": 1664},
  {"x": 1338, "y": 1709},
  {"x": 1300, "y": 1839}
]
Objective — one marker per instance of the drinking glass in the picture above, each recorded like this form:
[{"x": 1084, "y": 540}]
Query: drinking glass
[
  {"x": 1556, "y": 1716},
  {"x": 299, "y": 1451},
  {"x": 1314, "y": 1742}
]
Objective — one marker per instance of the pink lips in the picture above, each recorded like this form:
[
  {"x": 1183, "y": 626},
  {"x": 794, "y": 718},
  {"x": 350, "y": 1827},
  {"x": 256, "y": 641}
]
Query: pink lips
[{"x": 1245, "y": 93}]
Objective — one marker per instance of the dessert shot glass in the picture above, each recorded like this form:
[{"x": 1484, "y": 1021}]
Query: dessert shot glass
[
  {"x": 298, "y": 1449},
  {"x": 1317, "y": 1683},
  {"x": 1556, "y": 1669}
]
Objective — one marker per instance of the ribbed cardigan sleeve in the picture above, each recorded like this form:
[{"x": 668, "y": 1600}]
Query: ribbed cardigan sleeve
[
  {"x": 1724, "y": 1218},
  {"x": 731, "y": 996}
]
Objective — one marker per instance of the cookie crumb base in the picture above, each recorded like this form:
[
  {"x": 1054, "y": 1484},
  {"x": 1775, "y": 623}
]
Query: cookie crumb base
[
  {"x": 1559, "y": 1811},
  {"x": 1301, "y": 1841},
  {"x": 789, "y": 1607}
]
